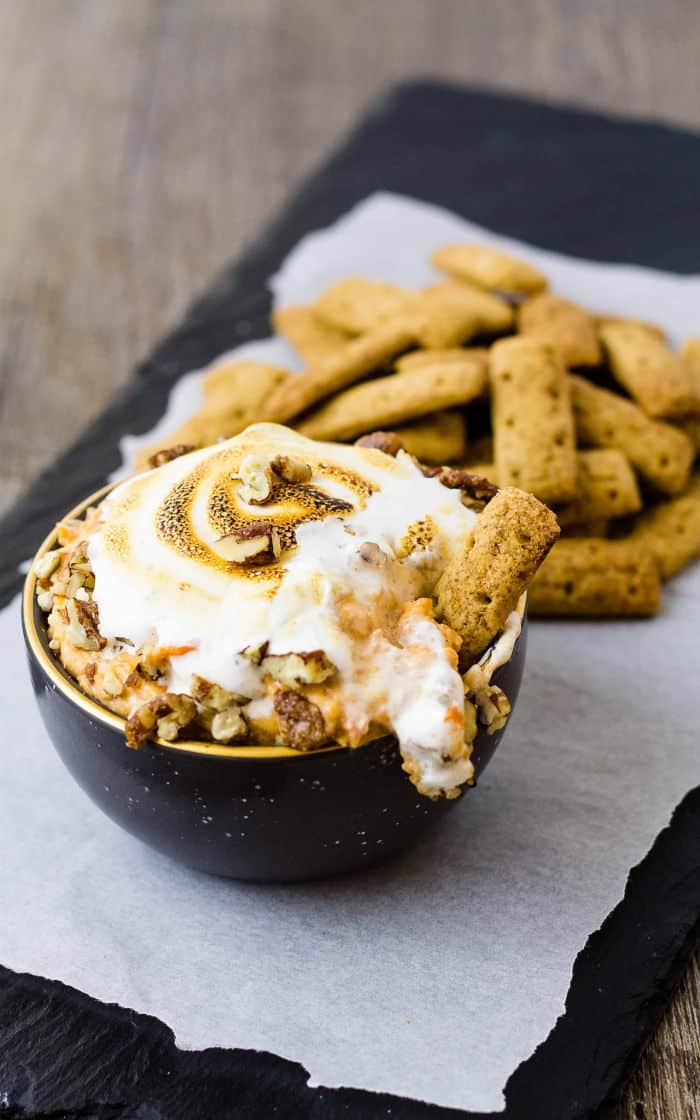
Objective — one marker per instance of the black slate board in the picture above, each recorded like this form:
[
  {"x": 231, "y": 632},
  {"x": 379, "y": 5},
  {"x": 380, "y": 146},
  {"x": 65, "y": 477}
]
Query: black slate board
[{"x": 565, "y": 180}]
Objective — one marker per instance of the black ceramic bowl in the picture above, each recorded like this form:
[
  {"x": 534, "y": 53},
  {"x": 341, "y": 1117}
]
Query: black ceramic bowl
[{"x": 260, "y": 813}]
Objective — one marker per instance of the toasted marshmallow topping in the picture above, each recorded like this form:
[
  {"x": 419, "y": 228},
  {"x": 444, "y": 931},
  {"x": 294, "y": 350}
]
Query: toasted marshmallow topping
[{"x": 359, "y": 546}]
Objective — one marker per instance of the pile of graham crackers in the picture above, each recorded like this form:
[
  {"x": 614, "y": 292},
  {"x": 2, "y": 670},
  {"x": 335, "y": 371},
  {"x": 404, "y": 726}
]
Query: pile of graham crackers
[{"x": 595, "y": 415}]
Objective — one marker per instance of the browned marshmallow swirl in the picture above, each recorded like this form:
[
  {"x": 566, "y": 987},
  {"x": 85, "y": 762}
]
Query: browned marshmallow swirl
[{"x": 183, "y": 518}]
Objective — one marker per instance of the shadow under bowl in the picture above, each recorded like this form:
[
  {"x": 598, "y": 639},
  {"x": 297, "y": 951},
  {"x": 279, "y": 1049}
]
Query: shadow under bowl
[{"x": 257, "y": 813}]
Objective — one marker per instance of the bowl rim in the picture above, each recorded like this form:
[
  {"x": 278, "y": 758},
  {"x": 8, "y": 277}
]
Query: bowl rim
[{"x": 65, "y": 684}]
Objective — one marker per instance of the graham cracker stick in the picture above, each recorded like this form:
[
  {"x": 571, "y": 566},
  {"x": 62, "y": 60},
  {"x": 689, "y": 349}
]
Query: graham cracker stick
[
  {"x": 480, "y": 587},
  {"x": 653, "y": 329},
  {"x": 233, "y": 394},
  {"x": 596, "y": 579},
  {"x": 671, "y": 530},
  {"x": 354, "y": 361},
  {"x": 440, "y": 437},
  {"x": 563, "y": 325},
  {"x": 356, "y": 304},
  {"x": 606, "y": 486},
  {"x": 533, "y": 426},
  {"x": 661, "y": 453},
  {"x": 312, "y": 339},
  {"x": 489, "y": 268},
  {"x": 451, "y": 313},
  {"x": 237, "y": 388},
  {"x": 436, "y": 439},
  {"x": 387, "y": 401},
  {"x": 416, "y": 358},
  {"x": 658, "y": 379}
]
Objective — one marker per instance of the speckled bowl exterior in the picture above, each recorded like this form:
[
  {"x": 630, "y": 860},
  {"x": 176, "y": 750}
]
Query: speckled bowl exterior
[{"x": 258, "y": 813}]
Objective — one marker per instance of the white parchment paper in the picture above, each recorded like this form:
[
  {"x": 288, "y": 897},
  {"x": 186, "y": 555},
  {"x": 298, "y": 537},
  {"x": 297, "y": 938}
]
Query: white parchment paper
[{"x": 435, "y": 976}]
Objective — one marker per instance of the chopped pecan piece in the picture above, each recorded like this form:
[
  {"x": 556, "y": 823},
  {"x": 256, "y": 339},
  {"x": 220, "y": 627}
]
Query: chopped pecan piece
[
  {"x": 167, "y": 454},
  {"x": 182, "y": 710},
  {"x": 79, "y": 572},
  {"x": 494, "y": 708},
  {"x": 79, "y": 560},
  {"x": 293, "y": 669},
  {"x": 291, "y": 470},
  {"x": 82, "y": 629},
  {"x": 255, "y": 476},
  {"x": 213, "y": 695},
  {"x": 371, "y": 553},
  {"x": 165, "y": 716},
  {"x": 255, "y": 654},
  {"x": 46, "y": 565},
  {"x": 256, "y": 543},
  {"x": 140, "y": 726},
  {"x": 228, "y": 725},
  {"x": 388, "y": 442},
  {"x": 455, "y": 478},
  {"x": 301, "y": 723}
]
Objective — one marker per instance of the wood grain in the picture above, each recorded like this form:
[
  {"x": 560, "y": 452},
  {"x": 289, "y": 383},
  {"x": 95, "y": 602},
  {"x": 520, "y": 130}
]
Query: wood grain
[{"x": 144, "y": 143}]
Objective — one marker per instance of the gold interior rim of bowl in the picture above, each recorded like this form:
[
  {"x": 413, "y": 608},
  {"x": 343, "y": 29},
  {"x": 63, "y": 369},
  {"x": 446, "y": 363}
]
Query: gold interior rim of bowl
[{"x": 58, "y": 675}]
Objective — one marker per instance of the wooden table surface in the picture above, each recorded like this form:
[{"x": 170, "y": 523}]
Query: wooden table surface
[{"x": 143, "y": 143}]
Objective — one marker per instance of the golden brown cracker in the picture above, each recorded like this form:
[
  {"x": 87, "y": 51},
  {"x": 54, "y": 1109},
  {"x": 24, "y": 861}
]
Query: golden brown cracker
[
  {"x": 489, "y": 268},
  {"x": 596, "y": 579},
  {"x": 312, "y": 339},
  {"x": 602, "y": 320},
  {"x": 451, "y": 313},
  {"x": 533, "y": 428},
  {"x": 661, "y": 453},
  {"x": 480, "y": 587},
  {"x": 440, "y": 437},
  {"x": 671, "y": 530},
  {"x": 355, "y": 360},
  {"x": 387, "y": 401},
  {"x": 658, "y": 379},
  {"x": 233, "y": 396},
  {"x": 424, "y": 357},
  {"x": 356, "y": 304},
  {"x": 563, "y": 325},
  {"x": 237, "y": 388},
  {"x": 606, "y": 487}
]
